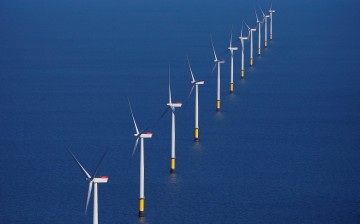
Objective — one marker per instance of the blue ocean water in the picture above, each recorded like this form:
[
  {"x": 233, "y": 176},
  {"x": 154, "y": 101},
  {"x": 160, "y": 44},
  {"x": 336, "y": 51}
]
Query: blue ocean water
[{"x": 283, "y": 149}]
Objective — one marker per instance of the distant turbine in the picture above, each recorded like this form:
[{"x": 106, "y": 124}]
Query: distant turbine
[
  {"x": 172, "y": 106},
  {"x": 265, "y": 19},
  {"x": 92, "y": 181},
  {"x": 195, "y": 83},
  {"x": 271, "y": 11},
  {"x": 251, "y": 30},
  {"x": 140, "y": 135},
  {"x": 242, "y": 51},
  {"x": 259, "y": 33},
  {"x": 232, "y": 49},
  {"x": 217, "y": 63}
]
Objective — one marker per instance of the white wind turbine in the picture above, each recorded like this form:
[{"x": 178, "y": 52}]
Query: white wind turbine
[
  {"x": 232, "y": 49},
  {"x": 140, "y": 135},
  {"x": 271, "y": 11},
  {"x": 217, "y": 63},
  {"x": 172, "y": 106},
  {"x": 92, "y": 181},
  {"x": 259, "y": 32},
  {"x": 196, "y": 84},
  {"x": 251, "y": 30},
  {"x": 265, "y": 19},
  {"x": 242, "y": 51}
]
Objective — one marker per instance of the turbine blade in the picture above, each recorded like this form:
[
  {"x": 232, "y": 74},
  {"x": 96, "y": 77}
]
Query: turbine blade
[
  {"x": 79, "y": 164},
  {"x": 231, "y": 37},
  {"x": 262, "y": 12},
  {"x": 169, "y": 87},
  {"x": 257, "y": 18},
  {"x": 212, "y": 43},
  {"x": 191, "y": 72},
  {"x": 135, "y": 146},
  {"x": 271, "y": 6},
  {"x": 100, "y": 161},
  {"x": 157, "y": 121},
  {"x": 213, "y": 67},
  {"x": 88, "y": 196},
  {"x": 132, "y": 114},
  {"x": 247, "y": 25},
  {"x": 242, "y": 26},
  {"x": 191, "y": 90}
]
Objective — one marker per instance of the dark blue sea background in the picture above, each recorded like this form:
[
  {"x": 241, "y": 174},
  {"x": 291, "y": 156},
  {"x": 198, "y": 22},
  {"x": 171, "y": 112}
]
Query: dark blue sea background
[{"x": 285, "y": 147}]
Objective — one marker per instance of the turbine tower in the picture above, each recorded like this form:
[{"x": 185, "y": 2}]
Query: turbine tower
[
  {"x": 196, "y": 84},
  {"x": 140, "y": 135},
  {"x": 242, "y": 51},
  {"x": 271, "y": 11},
  {"x": 265, "y": 19},
  {"x": 92, "y": 181},
  {"x": 251, "y": 30},
  {"x": 217, "y": 63},
  {"x": 172, "y": 106},
  {"x": 259, "y": 33},
  {"x": 232, "y": 49}
]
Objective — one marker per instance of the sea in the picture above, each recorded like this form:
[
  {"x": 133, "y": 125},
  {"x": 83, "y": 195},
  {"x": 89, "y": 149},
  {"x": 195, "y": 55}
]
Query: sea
[{"x": 284, "y": 148}]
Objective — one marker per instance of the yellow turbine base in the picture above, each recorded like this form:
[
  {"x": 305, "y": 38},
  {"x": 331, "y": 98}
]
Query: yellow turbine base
[
  {"x": 231, "y": 87},
  {"x": 217, "y": 105},
  {"x": 172, "y": 165},
  {"x": 196, "y": 134},
  {"x": 265, "y": 44},
  {"x": 259, "y": 51},
  {"x": 251, "y": 62},
  {"x": 270, "y": 36},
  {"x": 242, "y": 74},
  {"x": 141, "y": 207}
]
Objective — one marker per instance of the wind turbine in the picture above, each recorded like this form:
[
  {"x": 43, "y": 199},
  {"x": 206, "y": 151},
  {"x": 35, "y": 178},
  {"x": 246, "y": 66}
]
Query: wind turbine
[
  {"x": 92, "y": 181},
  {"x": 271, "y": 11},
  {"x": 196, "y": 84},
  {"x": 217, "y": 63},
  {"x": 232, "y": 49},
  {"x": 251, "y": 30},
  {"x": 265, "y": 19},
  {"x": 242, "y": 51},
  {"x": 259, "y": 33},
  {"x": 140, "y": 135},
  {"x": 172, "y": 106}
]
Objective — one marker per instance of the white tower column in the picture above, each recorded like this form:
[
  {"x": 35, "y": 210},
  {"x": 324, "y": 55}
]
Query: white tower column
[
  {"x": 232, "y": 72},
  {"x": 95, "y": 215},
  {"x": 265, "y": 38},
  {"x": 196, "y": 113},
  {"x": 251, "y": 48},
  {"x": 218, "y": 89},
  {"x": 172, "y": 169},
  {"x": 259, "y": 37},
  {"x": 142, "y": 170},
  {"x": 271, "y": 20},
  {"x": 242, "y": 60}
]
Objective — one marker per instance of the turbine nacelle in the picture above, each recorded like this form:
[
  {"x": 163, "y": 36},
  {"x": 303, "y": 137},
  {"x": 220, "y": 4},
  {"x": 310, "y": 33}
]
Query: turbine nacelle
[
  {"x": 200, "y": 83},
  {"x": 146, "y": 135},
  {"x": 252, "y": 30},
  {"x": 101, "y": 179},
  {"x": 271, "y": 11},
  {"x": 219, "y": 61},
  {"x": 178, "y": 104},
  {"x": 233, "y": 48},
  {"x": 243, "y": 38}
]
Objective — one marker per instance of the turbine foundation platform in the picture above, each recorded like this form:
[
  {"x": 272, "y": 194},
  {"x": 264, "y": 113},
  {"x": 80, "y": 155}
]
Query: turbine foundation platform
[
  {"x": 196, "y": 135},
  {"x": 141, "y": 207},
  {"x": 172, "y": 165}
]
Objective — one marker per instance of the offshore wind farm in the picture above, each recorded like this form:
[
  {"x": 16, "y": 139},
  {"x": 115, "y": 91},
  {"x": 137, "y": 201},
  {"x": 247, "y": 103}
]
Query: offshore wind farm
[{"x": 82, "y": 75}]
